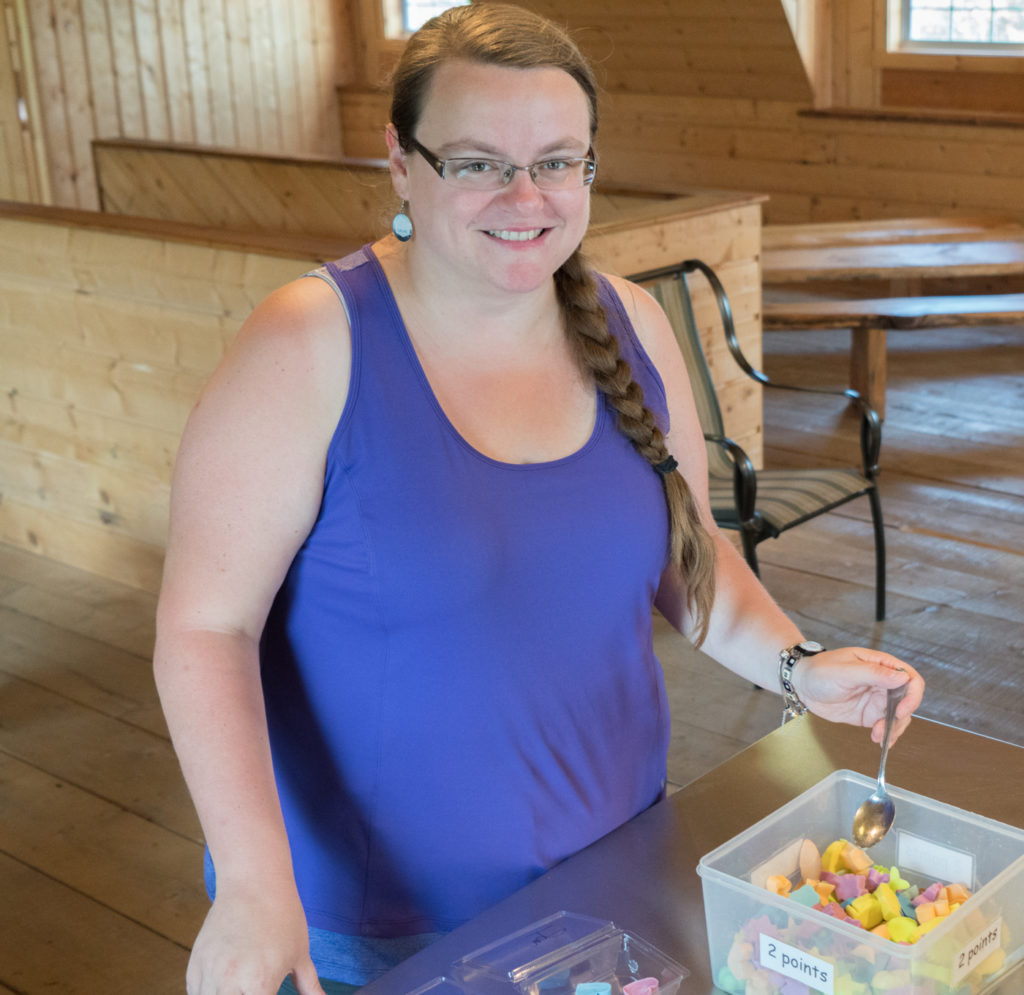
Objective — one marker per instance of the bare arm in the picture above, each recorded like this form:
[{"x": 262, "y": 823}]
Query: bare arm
[
  {"x": 246, "y": 491},
  {"x": 747, "y": 628}
]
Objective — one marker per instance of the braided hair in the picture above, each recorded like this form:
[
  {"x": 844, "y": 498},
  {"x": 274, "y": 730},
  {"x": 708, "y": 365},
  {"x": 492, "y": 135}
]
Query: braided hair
[
  {"x": 511, "y": 36},
  {"x": 691, "y": 550}
]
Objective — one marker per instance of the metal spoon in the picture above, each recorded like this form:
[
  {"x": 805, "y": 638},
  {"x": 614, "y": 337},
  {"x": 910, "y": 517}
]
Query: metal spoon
[{"x": 874, "y": 817}]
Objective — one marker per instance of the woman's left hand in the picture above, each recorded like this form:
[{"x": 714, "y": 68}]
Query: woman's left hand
[{"x": 851, "y": 684}]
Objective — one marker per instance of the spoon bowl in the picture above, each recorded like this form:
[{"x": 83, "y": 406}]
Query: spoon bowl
[{"x": 875, "y": 816}]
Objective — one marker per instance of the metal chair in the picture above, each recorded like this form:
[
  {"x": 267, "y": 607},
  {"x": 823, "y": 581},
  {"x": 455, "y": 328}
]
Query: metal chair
[{"x": 762, "y": 504}]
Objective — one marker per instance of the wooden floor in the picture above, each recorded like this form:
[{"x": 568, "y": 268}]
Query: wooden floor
[{"x": 100, "y": 851}]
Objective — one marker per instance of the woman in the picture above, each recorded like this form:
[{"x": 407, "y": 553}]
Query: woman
[{"x": 420, "y": 516}]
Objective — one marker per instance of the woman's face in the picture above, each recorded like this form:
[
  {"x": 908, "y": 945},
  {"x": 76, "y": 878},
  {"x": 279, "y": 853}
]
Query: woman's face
[{"x": 512, "y": 239}]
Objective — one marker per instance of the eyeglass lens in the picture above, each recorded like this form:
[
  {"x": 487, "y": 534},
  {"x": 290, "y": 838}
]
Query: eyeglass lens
[{"x": 493, "y": 174}]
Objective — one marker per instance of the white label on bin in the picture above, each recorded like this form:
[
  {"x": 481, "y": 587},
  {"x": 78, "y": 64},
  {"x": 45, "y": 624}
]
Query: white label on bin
[
  {"x": 977, "y": 950},
  {"x": 817, "y": 974},
  {"x": 939, "y": 862}
]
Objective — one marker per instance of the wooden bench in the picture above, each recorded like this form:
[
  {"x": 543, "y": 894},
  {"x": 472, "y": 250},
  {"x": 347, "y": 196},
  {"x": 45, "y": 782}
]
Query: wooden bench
[{"x": 870, "y": 320}]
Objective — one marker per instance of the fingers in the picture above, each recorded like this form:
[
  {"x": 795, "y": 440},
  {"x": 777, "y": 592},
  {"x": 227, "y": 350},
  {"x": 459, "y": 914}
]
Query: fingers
[
  {"x": 306, "y": 981},
  {"x": 898, "y": 728},
  {"x": 890, "y": 672}
]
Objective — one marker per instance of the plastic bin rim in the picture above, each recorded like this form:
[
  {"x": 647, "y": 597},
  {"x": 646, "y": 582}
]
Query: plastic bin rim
[{"x": 844, "y": 774}]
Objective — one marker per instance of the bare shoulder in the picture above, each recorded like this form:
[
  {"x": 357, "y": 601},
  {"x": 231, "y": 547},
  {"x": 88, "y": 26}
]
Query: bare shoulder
[
  {"x": 301, "y": 324},
  {"x": 649, "y": 321},
  {"x": 290, "y": 359}
]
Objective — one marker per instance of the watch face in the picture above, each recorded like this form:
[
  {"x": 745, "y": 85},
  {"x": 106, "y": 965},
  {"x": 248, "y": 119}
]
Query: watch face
[{"x": 809, "y": 647}]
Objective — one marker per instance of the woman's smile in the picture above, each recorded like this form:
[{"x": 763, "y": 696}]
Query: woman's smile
[{"x": 518, "y": 236}]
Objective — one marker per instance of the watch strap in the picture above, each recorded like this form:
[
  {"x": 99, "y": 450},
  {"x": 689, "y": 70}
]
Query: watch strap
[{"x": 788, "y": 659}]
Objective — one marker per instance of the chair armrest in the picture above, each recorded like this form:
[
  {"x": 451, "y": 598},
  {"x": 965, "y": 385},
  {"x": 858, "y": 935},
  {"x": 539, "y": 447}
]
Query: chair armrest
[
  {"x": 744, "y": 478},
  {"x": 870, "y": 423}
]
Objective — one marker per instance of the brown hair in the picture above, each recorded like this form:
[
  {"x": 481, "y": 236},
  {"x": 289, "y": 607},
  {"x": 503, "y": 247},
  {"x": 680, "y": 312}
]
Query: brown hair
[{"x": 513, "y": 37}]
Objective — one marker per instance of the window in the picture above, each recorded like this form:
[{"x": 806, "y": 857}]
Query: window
[
  {"x": 403, "y": 17},
  {"x": 993, "y": 25}
]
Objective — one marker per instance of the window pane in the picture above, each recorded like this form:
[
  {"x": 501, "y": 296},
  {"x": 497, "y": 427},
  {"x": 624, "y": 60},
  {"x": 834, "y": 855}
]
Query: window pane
[
  {"x": 971, "y": 25},
  {"x": 929, "y": 25},
  {"x": 1008, "y": 26},
  {"x": 984, "y": 22}
]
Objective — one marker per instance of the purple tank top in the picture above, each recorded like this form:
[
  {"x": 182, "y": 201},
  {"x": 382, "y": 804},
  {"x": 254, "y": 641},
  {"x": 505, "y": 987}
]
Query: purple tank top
[{"x": 459, "y": 673}]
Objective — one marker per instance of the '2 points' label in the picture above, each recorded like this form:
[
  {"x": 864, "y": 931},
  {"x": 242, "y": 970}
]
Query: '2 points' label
[
  {"x": 977, "y": 950},
  {"x": 817, "y": 974}
]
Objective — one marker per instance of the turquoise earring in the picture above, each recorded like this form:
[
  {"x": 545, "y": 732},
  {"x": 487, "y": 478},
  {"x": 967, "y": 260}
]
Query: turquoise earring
[{"x": 401, "y": 225}]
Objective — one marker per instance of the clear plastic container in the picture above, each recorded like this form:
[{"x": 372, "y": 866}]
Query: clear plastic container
[
  {"x": 560, "y": 953},
  {"x": 793, "y": 945}
]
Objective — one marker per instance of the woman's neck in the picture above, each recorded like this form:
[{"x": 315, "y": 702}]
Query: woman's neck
[{"x": 467, "y": 317}]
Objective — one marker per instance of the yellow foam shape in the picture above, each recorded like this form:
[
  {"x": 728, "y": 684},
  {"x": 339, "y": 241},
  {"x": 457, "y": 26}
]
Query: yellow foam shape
[
  {"x": 927, "y": 927},
  {"x": 832, "y": 858},
  {"x": 902, "y": 929},
  {"x": 888, "y": 901},
  {"x": 993, "y": 962},
  {"x": 885, "y": 980},
  {"x": 940, "y": 972},
  {"x": 895, "y": 881},
  {"x": 866, "y": 910},
  {"x": 845, "y": 985}
]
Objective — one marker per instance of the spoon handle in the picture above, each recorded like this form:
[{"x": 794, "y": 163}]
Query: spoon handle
[{"x": 892, "y": 698}]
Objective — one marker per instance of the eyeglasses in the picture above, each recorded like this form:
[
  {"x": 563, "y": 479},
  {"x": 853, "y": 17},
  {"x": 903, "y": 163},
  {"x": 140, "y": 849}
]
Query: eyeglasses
[{"x": 557, "y": 173}]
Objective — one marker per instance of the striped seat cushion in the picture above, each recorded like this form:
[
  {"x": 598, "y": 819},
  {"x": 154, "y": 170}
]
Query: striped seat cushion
[{"x": 788, "y": 497}]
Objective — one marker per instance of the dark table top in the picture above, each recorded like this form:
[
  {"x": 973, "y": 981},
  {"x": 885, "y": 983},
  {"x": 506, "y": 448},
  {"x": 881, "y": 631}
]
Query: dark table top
[{"x": 644, "y": 876}]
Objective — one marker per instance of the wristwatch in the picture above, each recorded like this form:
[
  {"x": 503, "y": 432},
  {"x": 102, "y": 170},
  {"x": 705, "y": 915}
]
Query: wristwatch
[{"x": 787, "y": 661}]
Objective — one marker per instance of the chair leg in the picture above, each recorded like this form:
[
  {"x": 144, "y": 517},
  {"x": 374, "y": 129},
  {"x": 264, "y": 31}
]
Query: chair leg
[{"x": 876, "y": 517}]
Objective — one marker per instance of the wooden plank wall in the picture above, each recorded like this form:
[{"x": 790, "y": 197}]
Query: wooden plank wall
[
  {"x": 257, "y": 75},
  {"x": 740, "y": 120},
  {"x": 817, "y": 166},
  {"x": 814, "y": 166},
  {"x": 19, "y": 175},
  {"x": 714, "y": 48},
  {"x": 244, "y": 192},
  {"x": 106, "y": 336}
]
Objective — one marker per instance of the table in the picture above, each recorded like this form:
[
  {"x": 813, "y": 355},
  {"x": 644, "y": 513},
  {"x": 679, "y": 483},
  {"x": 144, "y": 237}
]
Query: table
[
  {"x": 918, "y": 260},
  {"x": 643, "y": 876}
]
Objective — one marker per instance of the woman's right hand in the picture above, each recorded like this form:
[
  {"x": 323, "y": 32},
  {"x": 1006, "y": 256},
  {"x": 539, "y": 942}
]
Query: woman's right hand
[{"x": 249, "y": 943}]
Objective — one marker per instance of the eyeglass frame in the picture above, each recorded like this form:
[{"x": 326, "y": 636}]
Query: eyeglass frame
[{"x": 439, "y": 165}]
